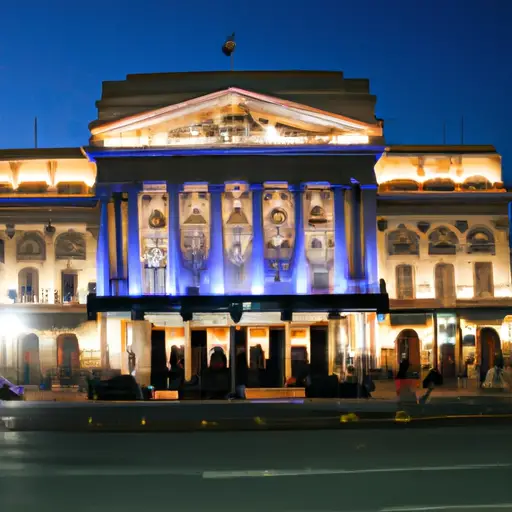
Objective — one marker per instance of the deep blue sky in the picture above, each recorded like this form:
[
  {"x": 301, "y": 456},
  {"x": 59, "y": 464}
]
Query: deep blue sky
[{"x": 428, "y": 60}]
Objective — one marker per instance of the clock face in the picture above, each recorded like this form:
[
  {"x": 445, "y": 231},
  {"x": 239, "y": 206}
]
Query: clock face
[
  {"x": 278, "y": 216},
  {"x": 157, "y": 220}
]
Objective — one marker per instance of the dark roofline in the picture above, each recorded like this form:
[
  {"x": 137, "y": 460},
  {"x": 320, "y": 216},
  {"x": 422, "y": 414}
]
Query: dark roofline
[
  {"x": 439, "y": 149},
  {"x": 41, "y": 153}
]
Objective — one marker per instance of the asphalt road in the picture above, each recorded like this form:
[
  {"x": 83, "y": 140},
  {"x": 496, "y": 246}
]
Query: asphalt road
[{"x": 355, "y": 470}]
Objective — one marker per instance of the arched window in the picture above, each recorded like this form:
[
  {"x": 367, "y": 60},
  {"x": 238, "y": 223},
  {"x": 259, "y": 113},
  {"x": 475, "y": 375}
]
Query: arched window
[
  {"x": 70, "y": 246},
  {"x": 400, "y": 186},
  {"x": 442, "y": 241},
  {"x": 403, "y": 241},
  {"x": 476, "y": 183},
  {"x": 316, "y": 243},
  {"x": 404, "y": 282},
  {"x": 31, "y": 247},
  {"x": 481, "y": 241},
  {"x": 439, "y": 185},
  {"x": 28, "y": 285}
]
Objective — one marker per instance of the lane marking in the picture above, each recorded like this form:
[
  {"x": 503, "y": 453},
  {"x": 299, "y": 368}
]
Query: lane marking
[
  {"x": 449, "y": 507},
  {"x": 318, "y": 472}
]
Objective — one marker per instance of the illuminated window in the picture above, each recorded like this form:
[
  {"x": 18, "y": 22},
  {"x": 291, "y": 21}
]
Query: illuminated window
[
  {"x": 28, "y": 285},
  {"x": 400, "y": 186},
  {"x": 481, "y": 241},
  {"x": 439, "y": 185},
  {"x": 404, "y": 282},
  {"x": 403, "y": 241},
  {"x": 476, "y": 183},
  {"x": 445, "y": 281},
  {"x": 442, "y": 241},
  {"x": 484, "y": 280}
]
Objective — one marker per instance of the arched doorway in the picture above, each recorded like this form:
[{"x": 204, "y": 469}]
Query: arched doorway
[
  {"x": 408, "y": 347},
  {"x": 68, "y": 358},
  {"x": 28, "y": 360},
  {"x": 490, "y": 344}
]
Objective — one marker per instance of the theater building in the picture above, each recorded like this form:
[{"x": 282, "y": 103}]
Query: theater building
[
  {"x": 48, "y": 230},
  {"x": 237, "y": 210},
  {"x": 443, "y": 245}
]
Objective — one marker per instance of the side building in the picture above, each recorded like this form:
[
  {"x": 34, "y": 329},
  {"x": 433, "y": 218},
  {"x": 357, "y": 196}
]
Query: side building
[
  {"x": 48, "y": 230},
  {"x": 443, "y": 238}
]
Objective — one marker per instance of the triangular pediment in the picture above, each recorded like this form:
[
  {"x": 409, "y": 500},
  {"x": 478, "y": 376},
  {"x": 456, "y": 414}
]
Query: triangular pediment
[{"x": 233, "y": 117}]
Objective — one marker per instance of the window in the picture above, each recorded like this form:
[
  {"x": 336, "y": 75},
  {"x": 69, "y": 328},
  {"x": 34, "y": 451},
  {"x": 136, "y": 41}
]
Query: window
[
  {"x": 28, "y": 285},
  {"x": 400, "y": 186},
  {"x": 70, "y": 246},
  {"x": 442, "y": 241},
  {"x": 484, "y": 280},
  {"x": 403, "y": 241},
  {"x": 481, "y": 241},
  {"x": 439, "y": 185},
  {"x": 69, "y": 287},
  {"x": 31, "y": 246},
  {"x": 476, "y": 183},
  {"x": 404, "y": 282},
  {"x": 445, "y": 281}
]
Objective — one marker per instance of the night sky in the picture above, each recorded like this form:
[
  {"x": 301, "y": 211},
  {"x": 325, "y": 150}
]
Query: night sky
[{"x": 428, "y": 61}]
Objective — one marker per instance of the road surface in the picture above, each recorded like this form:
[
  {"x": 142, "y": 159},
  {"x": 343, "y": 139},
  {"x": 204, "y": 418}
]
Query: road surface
[{"x": 354, "y": 470}]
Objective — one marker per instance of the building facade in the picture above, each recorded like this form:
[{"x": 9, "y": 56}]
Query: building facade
[
  {"x": 49, "y": 219},
  {"x": 443, "y": 238},
  {"x": 249, "y": 212}
]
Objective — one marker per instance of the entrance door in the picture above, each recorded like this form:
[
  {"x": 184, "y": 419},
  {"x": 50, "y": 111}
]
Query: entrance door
[
  {"x": 319, "y": 351},
  {"x": 158, "y": 359},
  {"x": 408, "y": 347},
  {"x": 68, "y": 358},
  {"x": 489, "y": 345},
  {"x": 29, "y": 360},
  {"x": 199, "y": 355},
  {"x": 275, "y": 365}
]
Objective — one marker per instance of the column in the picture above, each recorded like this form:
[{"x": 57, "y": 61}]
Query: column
[
  {"x": 118, "y": 219},
  {"x": 232, "y": 359},
  {"x": 216, "y": 260},
  {"x": 300, "y": 264},
  {"x": 134, "y": 263},
  {"x": 258, "y": 257},
  {"x": 287, "y": 351},
  {"x": 334, "y": 342},
  {"x": 103, "y": 254},
  {"x": 188, "y": 350},
  {"x": 102, "y": 334},
  {"x": 139, "y": 337},
  {"x": 173, "y": 239},
  {"x": 340, "y": 242},
  {"x": 356, "y": 272},
  {"x": 369, "y": 202}
]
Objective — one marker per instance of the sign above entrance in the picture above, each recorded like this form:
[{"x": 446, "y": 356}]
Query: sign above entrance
[
  {"x": 210, "y": 319},
  {"x": 310, "y": 317}
]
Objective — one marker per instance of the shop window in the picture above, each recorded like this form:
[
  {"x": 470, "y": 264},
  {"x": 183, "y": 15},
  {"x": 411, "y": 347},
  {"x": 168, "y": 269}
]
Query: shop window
[
  {"x": 28, "y": 285},
  {"x": 404, "y": 282},
  {"x": 442, "y": 241},
  {"x": 403, "y": 241},
  {"x": 445, "y": 281},
  {"x": 439, "y": 185},
  {"x": 481, "y": 241},
  {"x": 484, "y": 280},
  {"x": 475, "y": 183}
]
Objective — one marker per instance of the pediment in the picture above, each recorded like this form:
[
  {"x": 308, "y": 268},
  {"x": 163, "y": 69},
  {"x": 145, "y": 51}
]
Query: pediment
[{"x": 233, "y": 117}]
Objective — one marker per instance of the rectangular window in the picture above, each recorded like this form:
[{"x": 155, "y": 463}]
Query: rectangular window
[
  {"x": 69, "y": 287},
  {"x": 484, "y": 280},
  {"x": 404, "y": 282}
]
